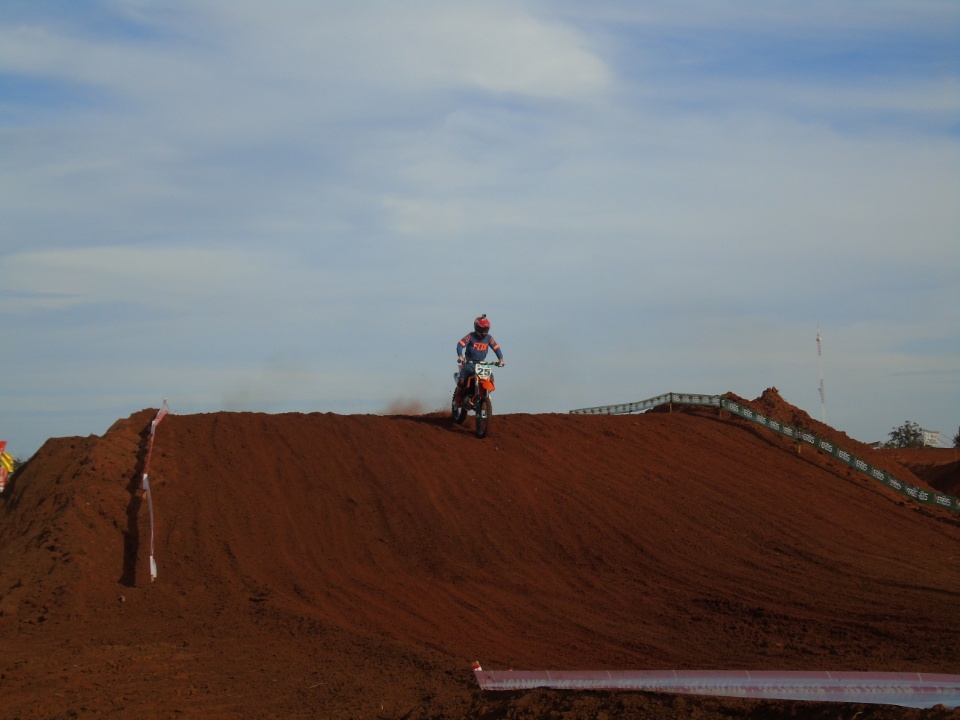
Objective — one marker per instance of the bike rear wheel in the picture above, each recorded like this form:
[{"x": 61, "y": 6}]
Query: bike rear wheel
[{"x": 483, "y": 413}]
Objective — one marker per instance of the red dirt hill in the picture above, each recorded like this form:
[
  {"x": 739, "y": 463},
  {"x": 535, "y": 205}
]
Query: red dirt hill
[
  {"x": 938, "y": 467},
  {"x": 318, "y": 565}
]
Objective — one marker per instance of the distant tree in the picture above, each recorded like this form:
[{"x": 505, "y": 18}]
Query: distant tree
[
  {"x": 956, "y": 440},
  {"x": 908, "y": 435}
]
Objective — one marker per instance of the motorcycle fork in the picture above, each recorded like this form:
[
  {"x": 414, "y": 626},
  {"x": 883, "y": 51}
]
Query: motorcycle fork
[{"x": 478, "y": 393}]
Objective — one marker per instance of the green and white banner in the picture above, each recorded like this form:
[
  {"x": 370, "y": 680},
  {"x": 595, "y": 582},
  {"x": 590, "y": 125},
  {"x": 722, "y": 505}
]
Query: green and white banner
[{"x": 920, "y": 495}]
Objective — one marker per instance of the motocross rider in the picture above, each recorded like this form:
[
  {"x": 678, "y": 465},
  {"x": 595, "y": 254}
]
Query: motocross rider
[{"x": 473, "y": 348}]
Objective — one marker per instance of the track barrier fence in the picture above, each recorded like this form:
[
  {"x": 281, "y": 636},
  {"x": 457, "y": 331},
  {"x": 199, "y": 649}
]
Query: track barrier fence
[{"x": 920, "y": 495}]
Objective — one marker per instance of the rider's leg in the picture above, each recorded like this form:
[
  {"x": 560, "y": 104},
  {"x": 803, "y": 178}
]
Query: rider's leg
[{"x": 461, "y": 385}]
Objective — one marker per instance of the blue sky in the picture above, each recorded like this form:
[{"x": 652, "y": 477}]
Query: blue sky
[{"x": 301, "y": 206}]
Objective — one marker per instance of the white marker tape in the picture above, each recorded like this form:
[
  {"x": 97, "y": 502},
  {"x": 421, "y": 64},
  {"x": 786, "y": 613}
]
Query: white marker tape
[{"x": 916, "y": 690}]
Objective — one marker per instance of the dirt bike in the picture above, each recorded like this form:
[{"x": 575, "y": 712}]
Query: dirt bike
[{"x": 476, "y": 397}]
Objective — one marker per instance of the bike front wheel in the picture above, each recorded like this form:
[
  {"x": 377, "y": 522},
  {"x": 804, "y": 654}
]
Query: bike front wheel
[{"x": 483, "y": 413}]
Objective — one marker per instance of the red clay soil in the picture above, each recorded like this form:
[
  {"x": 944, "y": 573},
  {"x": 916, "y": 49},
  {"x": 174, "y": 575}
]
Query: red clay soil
[
  {"x": 330, "y": 566},
  {"x": 938, "y": 467}
]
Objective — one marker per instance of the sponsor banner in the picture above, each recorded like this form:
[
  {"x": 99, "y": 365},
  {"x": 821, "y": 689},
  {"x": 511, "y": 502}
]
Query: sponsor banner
[
  {"x": 946, "y": 501},
  {"x": 917, "y": 494},
  {"x": 803, "y": 436}
]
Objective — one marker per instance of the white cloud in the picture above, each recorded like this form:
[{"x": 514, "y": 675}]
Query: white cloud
[
  {"x": 160, "y": 275},
  {"x": 494, "y": 46},
  {"x": 279, "y": 200}
]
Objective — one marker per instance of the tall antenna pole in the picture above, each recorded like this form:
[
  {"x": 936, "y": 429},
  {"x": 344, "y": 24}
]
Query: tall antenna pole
[{"x": 823, "y": 407}]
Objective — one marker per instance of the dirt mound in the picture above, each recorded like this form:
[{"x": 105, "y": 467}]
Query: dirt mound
[
  {"x": 938, "y": 467},
  {"x": 318, "y": 565},
  {"x": 771, "y": 404}
]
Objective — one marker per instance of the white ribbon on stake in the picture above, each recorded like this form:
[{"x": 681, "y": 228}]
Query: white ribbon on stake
[{"x": 145, "y": 482}]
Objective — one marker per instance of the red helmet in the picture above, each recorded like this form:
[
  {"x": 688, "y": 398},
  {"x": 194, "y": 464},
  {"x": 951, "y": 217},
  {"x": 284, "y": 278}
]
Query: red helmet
[{"x": 481, "y": 326}]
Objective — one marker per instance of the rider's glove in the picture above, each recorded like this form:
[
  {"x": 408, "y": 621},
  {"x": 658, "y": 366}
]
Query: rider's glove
[
  {"x": 500, "y": 362},
  {"x": 460, "y": 359}
]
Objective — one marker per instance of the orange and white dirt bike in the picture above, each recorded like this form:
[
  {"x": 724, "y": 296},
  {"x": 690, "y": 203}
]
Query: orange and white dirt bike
[{"x": 476, "y": 398}]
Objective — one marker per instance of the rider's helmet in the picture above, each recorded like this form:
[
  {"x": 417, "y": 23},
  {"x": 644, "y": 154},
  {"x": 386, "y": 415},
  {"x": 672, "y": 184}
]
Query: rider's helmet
[{"x": 481, "y": 326}]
